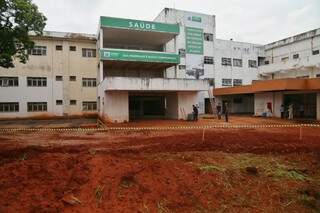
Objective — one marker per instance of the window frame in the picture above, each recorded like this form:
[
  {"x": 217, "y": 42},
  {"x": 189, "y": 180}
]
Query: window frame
[
  {"x": 237, "y": 60},
  {"x": 10, "y": 106},
  {"x": 226, "y": 79},
  {"x": 208, "y": 60},
  {"x": 226, "y": 61}
]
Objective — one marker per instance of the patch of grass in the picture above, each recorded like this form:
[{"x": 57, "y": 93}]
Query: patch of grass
[
  {"x": 210, "y": 168},
  {"x": 99, "y": 193},
  {"x": 289, "y": 174},
  {"x": 24, "y": 157},
  {"x": 162, "y": 206}
]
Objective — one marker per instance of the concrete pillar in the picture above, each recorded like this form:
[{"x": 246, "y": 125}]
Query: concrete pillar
[
  {"x": 116, "y": 106},
  {"x": 172, "y": 105},
  {"x": 318, "y": 106},
  {"x": 278, "y": 101}
]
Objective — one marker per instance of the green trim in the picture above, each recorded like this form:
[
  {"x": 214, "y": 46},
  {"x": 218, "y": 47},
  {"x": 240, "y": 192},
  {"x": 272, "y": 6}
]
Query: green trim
[
  {"x": 138, "y": 25},
  {"x": 194, "y": 40},
  {"x": 139, "y": 56}
]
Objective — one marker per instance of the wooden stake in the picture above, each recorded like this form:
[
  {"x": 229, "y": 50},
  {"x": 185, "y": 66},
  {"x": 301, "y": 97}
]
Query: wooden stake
[{"x": 203, "y": 134}]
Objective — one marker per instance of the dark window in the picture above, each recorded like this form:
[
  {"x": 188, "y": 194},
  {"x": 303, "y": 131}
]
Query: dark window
[
  {"x": 237, "y": 82},
  {"x": 89, "y": 53},
  {"x": 59, "y": 102},
  {"x": 266, "y": 62},
  {"x": 73, "y": 102},
  {"x": 226, "y": 82},
  {"x": 315, "y": 52},
  {"x": 284, "y": 59},
  {"x": 295, "y": 56},
  {"x": 208, "y": 60},
  {"x": 9, "y": 82},
  {"x": 89, "y": 106},
  {"x": 226, "y": 61},
  {"x": 252, "y": 63},
  {"x": 9, "y": 107},
  {"x": 237, "y": 62},
  {"x": 38, "y": 50},
  {"x": 59, "y": 78},
  {"x": 89, "y": 82},
  {"x": 36, "y": 81},
  {"x": 237, "y": 100},
  {"x": 59, "y": 47},
  {"x": 37, "y": 106},
  {"x": 73, "y": 48},
  {"x": 211, "y": 81},
  {"x": 182, "y": 67},
  {"x": 73, "y": 78},
  {"x": 208, "y": 36},
  {"x": 182, "y": 53},
  {"x": 318, "y": 75}
]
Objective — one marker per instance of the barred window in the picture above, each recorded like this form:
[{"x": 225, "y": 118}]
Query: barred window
[
  {"x": 38, "y": 50},
  {"x": 295, "y": 56},
  {"x": 89, "y": 106},
  {"x": 237, "y": 62},
  {"x": 89, "y": 53},
  {"x": 73, "y": 78},
  {"x": 59, "y": 47},
  {"x": 9, "y": 107},
  {"x": 182, "y": 67},
  {"x": 237, "y": 82},
  {"x": 315, "y": 52},
  {"x": 208, "y": 36},
  {"x": 252, "y": 63},
  {"x": 9, "y": 82},
  {"x": 37, "y": 106},
  {"x": 59, "y": 102},
  {"x": 36, "y": 81},
  {"x": 182, "y": 53},
  {"x": 73, "y": 48},
  {"x": 59, "y": 78},
  {"x": 208, "y": 60},
  {"x": 226, "y": 61},
  {"x": 89, "y": 82},
  {"x": 226, "y": 82},
  {"x": 73, "y": 102}
]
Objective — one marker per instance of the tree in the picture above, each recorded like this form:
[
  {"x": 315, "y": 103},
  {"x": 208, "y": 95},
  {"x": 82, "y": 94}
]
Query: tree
[{"x": 17, "y": 19}]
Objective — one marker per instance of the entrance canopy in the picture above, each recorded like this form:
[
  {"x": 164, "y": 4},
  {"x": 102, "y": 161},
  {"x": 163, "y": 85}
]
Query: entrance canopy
[{"x": 271, "y": 86}]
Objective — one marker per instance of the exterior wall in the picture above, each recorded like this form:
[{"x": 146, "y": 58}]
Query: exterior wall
[
  {"x": 55, "y": 63},
  {"x": 115, "y": 106},
  {"x": 172, "y": 106},
  {"x": 235, "y": 50},
  {"x": 260, "y": 102},
  {"x": 185, "y": 102}
]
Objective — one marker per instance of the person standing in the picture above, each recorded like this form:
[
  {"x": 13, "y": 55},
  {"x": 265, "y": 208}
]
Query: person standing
[
  {"x": 219, "y": 108},
  {"x": 282, "y": 111},
  {"x": 301, "y": 110},
  {"x": 226, "y": 111},
  {"x": 195, "y": 112},
  {"x": 290, "y": 111}
]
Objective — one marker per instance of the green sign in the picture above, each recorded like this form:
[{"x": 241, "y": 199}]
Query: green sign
[
  {"x": 138, "y": 25},
  {"x": 196, "y": 18},
  {"x": 194, "y": 40},
  {"x": 139, "y": 56}
]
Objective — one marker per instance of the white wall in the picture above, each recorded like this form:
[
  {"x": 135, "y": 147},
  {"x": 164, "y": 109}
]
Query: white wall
[
  {"x": 115, "y": 106},
  {"x": 260, "y": 102},
  {"x": 185, "y": 102}
]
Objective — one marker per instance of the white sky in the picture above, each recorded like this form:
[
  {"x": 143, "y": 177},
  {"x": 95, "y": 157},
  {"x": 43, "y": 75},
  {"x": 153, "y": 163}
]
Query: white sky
[{"x": 255, "y": 21}]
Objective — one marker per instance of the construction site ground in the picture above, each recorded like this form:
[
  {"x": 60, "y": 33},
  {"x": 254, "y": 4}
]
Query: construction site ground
[{"x": 180, "y": 170}]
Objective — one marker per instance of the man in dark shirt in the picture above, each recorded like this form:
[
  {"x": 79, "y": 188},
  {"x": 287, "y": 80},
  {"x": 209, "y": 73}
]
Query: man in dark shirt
[{"x": 195, "y": 112}]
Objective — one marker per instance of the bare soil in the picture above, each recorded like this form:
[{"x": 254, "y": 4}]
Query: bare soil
[{"x": 232, "y": 170}]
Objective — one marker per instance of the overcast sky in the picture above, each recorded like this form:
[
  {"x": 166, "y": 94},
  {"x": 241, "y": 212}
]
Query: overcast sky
[{"x": 255, "y": 21}]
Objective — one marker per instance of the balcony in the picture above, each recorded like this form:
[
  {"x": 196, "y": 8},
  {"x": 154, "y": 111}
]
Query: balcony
[
  {"x": 153, "y": 84},
  {"x": 295, "y": 64}
]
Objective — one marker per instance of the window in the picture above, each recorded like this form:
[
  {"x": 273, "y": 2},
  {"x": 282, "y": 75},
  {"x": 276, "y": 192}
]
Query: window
[
  {"x": 9, "y": 82},
  {"x": 237, "y": 100},
  {"x": 59, "y": 78},
  {"x": 36, "y": 81},
  {"x": 295, "y": 56},
  {"x": 208, "y": 60},
  {"x": 252, "y": 63},
  {"x": 318, "y": 76},
  {"x": 182, "y": 52},
  {"x": 284, "y": 59},
  {"x": 237, "y": 62},
  {"x": 89, "y": 82},
  {"x": 226, "y": 61},
  {"x": 59, "y": 102},
  {"x": 211, "y": 82},
  {"x": 89, "y": 106},
  {"x": 9, "y": 107},
  {"x": 226, "y": 82},
  {"x": 37, "y": 106},
  {"x": 73, "y": 48},
  {"x": 237, "y": 82},
  {"x": 59, "y": 47},
  {"x": 38, "y": 50},
  {"x": 73, "y": 78},
  {"x": 208, "y": 36},
  {"x": 182, "y": 67},
  {"x": 266, "y": 62},
  {"x": 315, "y": 52},
  {"x": 73, "y": 102},
  {"x": 89, "y": 53}
]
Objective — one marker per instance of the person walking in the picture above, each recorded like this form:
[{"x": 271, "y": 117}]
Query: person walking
[
  {"x": 219, "y": 108},
  {"x": 282, "y": 111},
  {"x": 226, "y": 111}
]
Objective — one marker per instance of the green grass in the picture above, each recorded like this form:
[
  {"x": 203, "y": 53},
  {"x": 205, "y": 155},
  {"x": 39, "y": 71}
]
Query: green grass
[{"x": 99, "y": 193}]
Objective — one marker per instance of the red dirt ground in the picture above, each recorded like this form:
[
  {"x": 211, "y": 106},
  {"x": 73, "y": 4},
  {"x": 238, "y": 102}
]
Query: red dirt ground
[{"x": 164, "y": 171}]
